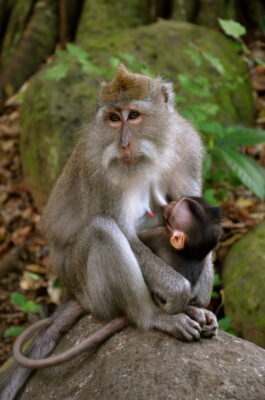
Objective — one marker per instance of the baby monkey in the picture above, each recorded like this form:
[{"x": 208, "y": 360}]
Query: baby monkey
[{"x": 193, "y": 228}]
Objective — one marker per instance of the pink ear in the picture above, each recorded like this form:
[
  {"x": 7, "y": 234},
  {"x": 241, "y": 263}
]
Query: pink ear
[{"x": 177, "y": 240}]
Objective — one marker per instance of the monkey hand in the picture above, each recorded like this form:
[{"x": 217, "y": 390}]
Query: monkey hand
[
  {"x": 181, "y": 326},
  {"x": 205, "y": 318}
]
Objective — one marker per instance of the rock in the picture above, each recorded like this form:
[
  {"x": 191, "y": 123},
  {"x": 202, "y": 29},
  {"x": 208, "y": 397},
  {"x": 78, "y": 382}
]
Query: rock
[
  {"x": 244, "y": 285},
  {"x": 137, "y": 365},
  {"x": 53, "y": 111},
  {"x": 103, "y": 17}
]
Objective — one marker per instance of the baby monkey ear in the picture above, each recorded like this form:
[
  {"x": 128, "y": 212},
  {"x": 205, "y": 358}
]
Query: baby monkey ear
[
  {"x": 177, "y": 240},
  {"x": 169, "y": 95}
]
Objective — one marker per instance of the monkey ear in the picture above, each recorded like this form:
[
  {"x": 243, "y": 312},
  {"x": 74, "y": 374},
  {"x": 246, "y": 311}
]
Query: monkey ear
[
  {"x": 169, "y": 95},
  {"x": 177, "y": 240}
]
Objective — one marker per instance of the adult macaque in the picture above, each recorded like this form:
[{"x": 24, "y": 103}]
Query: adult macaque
[
  {"x": 136, "y": 141},
  {"x": 192, "y": 231}
]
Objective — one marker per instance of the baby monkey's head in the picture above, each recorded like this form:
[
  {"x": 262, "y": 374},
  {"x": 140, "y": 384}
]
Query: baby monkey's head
[{"x": 194, "y": 226}]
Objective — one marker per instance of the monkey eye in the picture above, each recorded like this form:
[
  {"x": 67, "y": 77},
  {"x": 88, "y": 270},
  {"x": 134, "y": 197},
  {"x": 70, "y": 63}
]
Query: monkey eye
[
  {"x": 133, "y": 115},
  {"x": 114, "y": 117}
]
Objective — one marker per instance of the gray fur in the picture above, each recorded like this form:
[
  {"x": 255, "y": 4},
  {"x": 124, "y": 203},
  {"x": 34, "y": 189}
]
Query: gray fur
[{"x": 97, "y": 206}]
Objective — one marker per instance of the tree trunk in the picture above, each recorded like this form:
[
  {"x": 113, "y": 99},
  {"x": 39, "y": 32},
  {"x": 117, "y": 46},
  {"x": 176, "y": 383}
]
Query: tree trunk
[
  {"x": 17, "y": 22},
  {"x": 36, "y": 43}
]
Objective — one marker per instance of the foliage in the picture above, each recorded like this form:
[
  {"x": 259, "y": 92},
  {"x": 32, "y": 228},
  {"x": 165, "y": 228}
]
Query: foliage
[
  {"x": 14, "y": 331},
  {"x": 225, "y": 325},
  {"x": 223, "y": 161},
  {"x": 216, "y": 282},
  {"x": 225, "y": 322},
  {"x": 83, "y": 61},
  {"x": 224, "y": 164},
  {"x": 24, "y": 305}
]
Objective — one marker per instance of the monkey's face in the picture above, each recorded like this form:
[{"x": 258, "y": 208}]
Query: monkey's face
[{"x": 132, "y": 140}]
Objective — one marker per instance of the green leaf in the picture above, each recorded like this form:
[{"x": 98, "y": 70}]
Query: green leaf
[
  {"x": 215, "y": 63},
  {"x": 195, "y": 56},
  {"x": 31, "y": 306},
  {"x": 194, "y": 86},
  {"x": 236, "y": 135},
  {"x": 232, "y": 28},
  {"x": 225, "y": 323},
  {"x": 61, "y": 54},
  {"x": 180, "y": 99},
  {"x": 260, "y": 61},
  {"x": 57, "y": 72},
  {"x": 209, "y": 196},
  {"x": 114, "y": 62},
  {"x": 211, "y": 128},
  {"x": 33, "y": 276},
  {"x": 76, "y": 51},
  {"x": 208, "y": 108},
  {"x": 207, "y": 163},
  {"x": 130, "y": 59},
  {"x": 90, "y": 68},
  {"x": 14, "y": 331},
  {"x": 215, "y": 294},
  {"x": 57, "y": 283},
  {"x": 18, "y": 299},
  {"x": 245, "y": 170},
  {"x": 217, "y": 280}
]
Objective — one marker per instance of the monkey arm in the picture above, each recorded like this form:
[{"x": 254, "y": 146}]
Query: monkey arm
[
  {"x": 162, "y": 279},
  {"x": 202, "y": 290},
  {"x": 200, "y": 298}
]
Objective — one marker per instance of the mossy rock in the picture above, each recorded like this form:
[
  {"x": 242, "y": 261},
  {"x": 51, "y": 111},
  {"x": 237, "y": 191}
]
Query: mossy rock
[
  {"x": 103, "y": 17},
  {"x": 53, "y": 112},
  {"x": 244, "y": 285}
]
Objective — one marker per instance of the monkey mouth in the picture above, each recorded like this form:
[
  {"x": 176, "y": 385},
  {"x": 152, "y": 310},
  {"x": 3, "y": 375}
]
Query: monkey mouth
[{"x": 131, "y": 159}]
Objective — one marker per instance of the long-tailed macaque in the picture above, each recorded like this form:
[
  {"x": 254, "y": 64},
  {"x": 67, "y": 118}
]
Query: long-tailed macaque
[
  {"x": 137, "y": 140},
  {"x": 193, "y": 229}
]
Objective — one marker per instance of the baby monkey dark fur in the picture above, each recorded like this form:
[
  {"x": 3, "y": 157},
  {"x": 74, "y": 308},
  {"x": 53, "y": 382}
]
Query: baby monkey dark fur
[{"x": 193, "y": 228}]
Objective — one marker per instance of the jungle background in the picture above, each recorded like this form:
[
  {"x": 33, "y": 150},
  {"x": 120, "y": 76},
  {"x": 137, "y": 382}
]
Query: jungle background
[{"x": 54, "y": 54}]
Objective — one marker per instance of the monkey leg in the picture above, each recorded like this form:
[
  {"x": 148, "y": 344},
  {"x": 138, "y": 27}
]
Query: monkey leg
[
  {"x": 168, "y": 285},
  {"x": 115, "y": 284}
]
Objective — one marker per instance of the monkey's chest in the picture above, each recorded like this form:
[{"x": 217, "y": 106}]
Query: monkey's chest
[{"x": 138, "y": 205}]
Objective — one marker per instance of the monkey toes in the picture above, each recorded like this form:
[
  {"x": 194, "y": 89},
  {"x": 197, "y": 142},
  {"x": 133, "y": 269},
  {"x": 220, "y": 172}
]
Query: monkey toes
[{"x": 206, "y": 319}]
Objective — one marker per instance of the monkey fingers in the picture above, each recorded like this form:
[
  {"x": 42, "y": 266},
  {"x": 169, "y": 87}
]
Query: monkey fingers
[
  {"x": 205, "y": 318},
  {"x": 184, "y": 328}
]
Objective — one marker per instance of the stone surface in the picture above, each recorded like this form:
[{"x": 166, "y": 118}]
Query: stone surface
[
  {"x": 244, "y": 285},
  {"x": 137, "y": 365},
  {"x": 103, "y": 17},
  {"x": 53, "y": 112}
]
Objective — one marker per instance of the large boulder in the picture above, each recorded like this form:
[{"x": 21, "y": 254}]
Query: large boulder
[
  {"x": 53, "y": 111},
  {"x": 244, "y": 285},
  {"x": 137, "y": 365}
]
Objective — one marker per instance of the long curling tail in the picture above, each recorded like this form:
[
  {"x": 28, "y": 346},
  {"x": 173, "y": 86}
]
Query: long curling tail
[{"x": 66, "y": 315}]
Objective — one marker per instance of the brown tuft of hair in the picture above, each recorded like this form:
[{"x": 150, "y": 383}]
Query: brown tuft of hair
[{"x": 125, "y": 86}]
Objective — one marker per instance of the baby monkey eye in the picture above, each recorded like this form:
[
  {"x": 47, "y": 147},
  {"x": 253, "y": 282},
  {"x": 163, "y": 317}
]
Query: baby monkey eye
[
  {"x": 133, "y": 115},
  {"x": 114, "y": 117}
]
